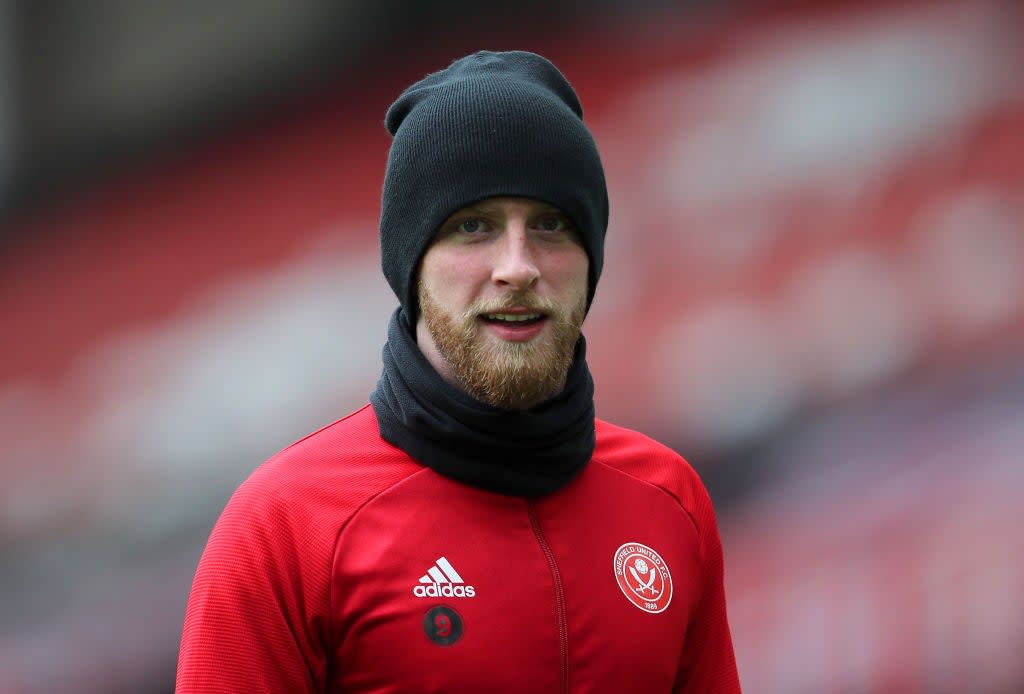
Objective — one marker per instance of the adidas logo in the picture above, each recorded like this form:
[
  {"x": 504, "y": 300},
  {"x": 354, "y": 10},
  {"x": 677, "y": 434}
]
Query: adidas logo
[{"x": 442, "y": 580}]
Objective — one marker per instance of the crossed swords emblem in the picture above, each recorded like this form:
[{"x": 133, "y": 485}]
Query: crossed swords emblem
[{"x": 641, "y": 566}]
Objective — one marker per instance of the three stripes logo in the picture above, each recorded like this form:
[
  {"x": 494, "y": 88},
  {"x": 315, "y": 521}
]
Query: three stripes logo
[{"x": 442, "y": 580}]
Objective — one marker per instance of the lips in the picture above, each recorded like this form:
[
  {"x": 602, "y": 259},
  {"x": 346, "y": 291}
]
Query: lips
[
  {"x": 515, "y": 324},
  {"x": 512, "y": 318}
]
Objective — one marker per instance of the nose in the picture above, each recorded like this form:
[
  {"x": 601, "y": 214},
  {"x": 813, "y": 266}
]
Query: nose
[{"x": 514, "y": 264}]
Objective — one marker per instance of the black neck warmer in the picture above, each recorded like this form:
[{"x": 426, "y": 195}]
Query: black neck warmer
[{"x": 519, "y": 453}]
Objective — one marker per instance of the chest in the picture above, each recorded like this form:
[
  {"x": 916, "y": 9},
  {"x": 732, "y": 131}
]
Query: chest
[{"x": 441, "y": 588}]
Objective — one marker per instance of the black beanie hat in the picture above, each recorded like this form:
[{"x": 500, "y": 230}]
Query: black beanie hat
[{"x": 490, "y": 124}]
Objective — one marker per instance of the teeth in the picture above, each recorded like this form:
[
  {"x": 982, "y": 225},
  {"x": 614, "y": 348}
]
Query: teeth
[{"x": 513, "y": 317}]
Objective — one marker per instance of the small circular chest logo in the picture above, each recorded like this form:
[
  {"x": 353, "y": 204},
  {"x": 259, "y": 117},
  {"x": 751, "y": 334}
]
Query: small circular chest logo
[
  {"x": 643, "y": 577},
  {"x": 443, "y": 625}
]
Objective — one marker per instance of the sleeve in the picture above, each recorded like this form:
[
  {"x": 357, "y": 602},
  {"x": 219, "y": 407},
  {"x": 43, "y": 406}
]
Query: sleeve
[
  {"x": 709, "y": 663},
  {"x": 257, "y": 618}
]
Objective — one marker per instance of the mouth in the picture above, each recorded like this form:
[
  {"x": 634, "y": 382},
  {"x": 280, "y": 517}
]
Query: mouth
[
  {"x": 513, "y": 319},
  {"x": 514, "y": 324}
]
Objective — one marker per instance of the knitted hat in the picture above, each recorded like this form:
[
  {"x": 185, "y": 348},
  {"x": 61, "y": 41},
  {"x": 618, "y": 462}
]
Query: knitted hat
[{"x": 490, "y": 124}]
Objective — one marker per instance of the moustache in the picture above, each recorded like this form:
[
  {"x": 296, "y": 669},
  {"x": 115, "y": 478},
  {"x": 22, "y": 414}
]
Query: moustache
[{"x": 528, "y": 301}]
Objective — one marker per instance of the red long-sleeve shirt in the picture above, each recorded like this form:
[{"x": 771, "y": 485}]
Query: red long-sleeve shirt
[{"x": 342, "y": 565}]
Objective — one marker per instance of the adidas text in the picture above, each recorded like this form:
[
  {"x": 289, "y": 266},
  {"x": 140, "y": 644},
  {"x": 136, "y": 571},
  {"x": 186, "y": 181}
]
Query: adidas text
[{"x": 446, "y": 590}]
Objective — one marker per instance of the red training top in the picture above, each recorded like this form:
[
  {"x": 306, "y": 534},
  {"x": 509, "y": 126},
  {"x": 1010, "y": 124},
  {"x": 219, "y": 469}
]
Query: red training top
[{"x": 342, "y": 565}]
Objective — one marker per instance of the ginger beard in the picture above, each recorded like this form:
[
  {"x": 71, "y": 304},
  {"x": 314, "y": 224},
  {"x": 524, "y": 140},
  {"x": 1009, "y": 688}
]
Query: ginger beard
[{"x": 508, "y": 375}]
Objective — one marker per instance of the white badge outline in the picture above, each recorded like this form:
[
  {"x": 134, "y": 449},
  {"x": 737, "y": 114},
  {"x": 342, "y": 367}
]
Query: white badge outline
[{"x": 667, "y": 581}]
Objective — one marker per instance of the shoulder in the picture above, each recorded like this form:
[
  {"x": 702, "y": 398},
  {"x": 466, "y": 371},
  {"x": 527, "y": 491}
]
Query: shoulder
[
  {"x": 649, "y": 461},
  {"x": 323, "y": 478}
]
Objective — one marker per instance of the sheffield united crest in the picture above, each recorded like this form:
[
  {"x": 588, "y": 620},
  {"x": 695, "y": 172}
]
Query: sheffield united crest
[{"x": 643, "y": 577}]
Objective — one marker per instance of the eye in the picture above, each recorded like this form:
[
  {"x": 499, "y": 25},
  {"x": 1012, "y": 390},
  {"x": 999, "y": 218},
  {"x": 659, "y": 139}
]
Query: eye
[
  {"x": 471, "y": 226},
  {"x": 553, "y": 223}
]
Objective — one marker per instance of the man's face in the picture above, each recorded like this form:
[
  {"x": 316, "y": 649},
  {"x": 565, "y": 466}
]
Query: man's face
[{"x": 502, "y": 294}]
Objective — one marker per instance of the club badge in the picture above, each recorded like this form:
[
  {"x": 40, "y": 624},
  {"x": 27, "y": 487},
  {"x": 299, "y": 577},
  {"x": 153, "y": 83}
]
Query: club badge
[{"x": 643, "y": 577}]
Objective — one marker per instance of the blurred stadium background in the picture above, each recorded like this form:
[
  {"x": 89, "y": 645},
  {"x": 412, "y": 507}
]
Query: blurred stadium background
[{"x": 814, "y": 291}]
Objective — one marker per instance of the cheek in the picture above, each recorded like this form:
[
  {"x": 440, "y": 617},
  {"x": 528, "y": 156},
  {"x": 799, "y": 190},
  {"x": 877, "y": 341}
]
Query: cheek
[
  {"x": 451, "y": 279},
  {"x": 570, "y": 273}
]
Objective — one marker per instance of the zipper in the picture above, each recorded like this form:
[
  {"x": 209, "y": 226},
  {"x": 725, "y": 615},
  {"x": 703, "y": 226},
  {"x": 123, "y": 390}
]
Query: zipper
[{"x": 556, "y": 576}]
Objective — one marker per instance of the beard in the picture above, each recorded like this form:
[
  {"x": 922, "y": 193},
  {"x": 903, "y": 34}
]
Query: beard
[{"x": 507, "y": 375}]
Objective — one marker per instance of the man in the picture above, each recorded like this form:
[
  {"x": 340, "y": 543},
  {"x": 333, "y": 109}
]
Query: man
[{"x": 473, "y": 529}]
